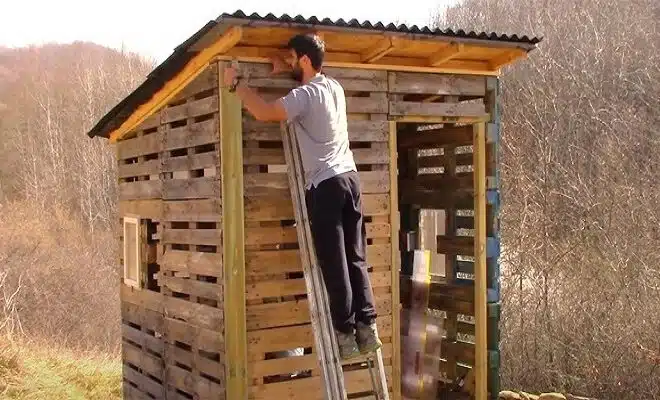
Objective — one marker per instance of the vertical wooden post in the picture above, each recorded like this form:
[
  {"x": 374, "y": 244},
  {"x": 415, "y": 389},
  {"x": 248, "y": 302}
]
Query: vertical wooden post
[
  {"x": 396, "y": 261},
  {"x": 233, "y": 249},
  {"x": 480, "y": 289}
]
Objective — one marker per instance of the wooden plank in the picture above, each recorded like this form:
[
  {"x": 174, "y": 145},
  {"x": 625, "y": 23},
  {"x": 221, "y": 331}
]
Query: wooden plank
[
  {"x": 446, "y": 54},
  {"x": 205, "y": 81},
  {"x": 270, "y": 315},
  {"x": 287, "y": 365},
  {"x": 192, "y": 287},
  {"x": 308, "y": 388},
  {"x": 131, "y": 393},
  {"x": 443, "y": 182},
  {"x": 275, "y": 208},
  {"x": 197, "y": 361},
  {"x": 257, "y": 156},
  {"x": 210, "y": 237},
  {"x": 350, "y": 79},
  {"x": 291, "y": 337},
  {"x": 479, "y": 252},
  {"x": 191, "y": 262},
  {"x": 358, "y": 131},
  {"x": 374, "y": 104},
  {"x": 352, "y": 60},
  {"x": 197, "y": 385},
  {"x": 204, "y": 339},
  {"x": 194, "y": 313},
  {"x": 145, "y": 168},
  {"x": 258, "y": 184},
  {"x": 145, "y": 361},
  {"x": 151, "y": 209},
  {"x": 263, "y": 235},
  {"x": 437, "y": 109},
  {"x": 145, "y": 383},
  {"x": 395, "y": 261},
  {"x": 291, "y": 287},
  {"x": 456, "y": 245},
  {"x": 143, "y": 339},
  {"x": 171, "y": 88},
  {"x": 458, "y": 136},
  {"x": 433, "y": 199},
  {"x": 196, "y": 134},
  {"x": 437, "y": 84},
  {"x": 144, "y": 298},
  {"x": 191, "y": 162},
  {"x": 190, "y": 109},
  {"x": 440, "y": 161},
  {"x": 283, "y": 261},
  {"x": 139, "y": 146},
  {"x": 192, "y": 188},
  {"x": 140, "y": 190},
  {"x": 206, "y": 210},
  {"x": 142, "y": 317},
  {"x": 233, "y": 249}
]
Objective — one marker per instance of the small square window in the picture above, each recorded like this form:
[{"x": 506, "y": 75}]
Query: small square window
[{"x": 132, "y": 253}]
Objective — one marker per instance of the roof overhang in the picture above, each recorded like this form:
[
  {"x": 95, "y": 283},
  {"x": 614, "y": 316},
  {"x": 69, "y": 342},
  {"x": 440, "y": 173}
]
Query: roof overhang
[{"x": 347, "y": 44}]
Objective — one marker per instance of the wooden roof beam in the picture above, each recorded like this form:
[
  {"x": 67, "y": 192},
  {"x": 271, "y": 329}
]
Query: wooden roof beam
[
  {"x": 506, "y": 57},
  {"x": 354, "y": 60},
  {"x": 192, "y": 69},
  {"x": 446, "y": 54},
  {"x": 379, "y": 50}
]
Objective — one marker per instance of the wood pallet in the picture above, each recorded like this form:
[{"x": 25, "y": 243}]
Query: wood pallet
[
  {"x": 437, "y": 178},
  {"x": 277, "y": 310},
  {"x": 170, "y": 176}
]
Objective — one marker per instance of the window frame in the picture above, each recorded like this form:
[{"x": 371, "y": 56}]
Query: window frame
[{"x": 137, "y": 222}]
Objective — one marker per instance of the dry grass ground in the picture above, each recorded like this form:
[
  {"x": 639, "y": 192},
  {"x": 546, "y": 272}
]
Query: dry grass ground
[{"x": 43, "y": 371}]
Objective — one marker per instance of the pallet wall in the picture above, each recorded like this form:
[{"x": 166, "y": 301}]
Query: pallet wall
[
  {"x": 169, "y": 170},
  {"x": 436, "y": 189},
  {"x": 172, "y": 328},
  {"x": 281, "y": 359}
]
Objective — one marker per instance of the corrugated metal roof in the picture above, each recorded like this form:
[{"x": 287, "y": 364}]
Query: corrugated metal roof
[
  {"x": 185, "y": 51},
  {"x": 380, "y": 26}
]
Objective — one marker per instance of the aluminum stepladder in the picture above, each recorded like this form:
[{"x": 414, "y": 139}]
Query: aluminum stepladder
[{"x": 324, "y": 339}]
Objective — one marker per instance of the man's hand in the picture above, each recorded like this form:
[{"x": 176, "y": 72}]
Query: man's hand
[{"x": 229, "y": 75}]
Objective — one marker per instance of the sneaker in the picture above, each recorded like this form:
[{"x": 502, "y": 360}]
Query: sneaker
[
  {"x": 367, "y": 338},
  {"x": 347, "y": 346}
]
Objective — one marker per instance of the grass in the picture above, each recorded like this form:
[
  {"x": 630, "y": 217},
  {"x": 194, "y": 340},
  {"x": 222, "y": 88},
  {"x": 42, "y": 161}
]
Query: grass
[{"x": 38, "y": 371}]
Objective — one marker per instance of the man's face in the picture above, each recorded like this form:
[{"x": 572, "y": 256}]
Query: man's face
[{"x": 294, "y": 62}]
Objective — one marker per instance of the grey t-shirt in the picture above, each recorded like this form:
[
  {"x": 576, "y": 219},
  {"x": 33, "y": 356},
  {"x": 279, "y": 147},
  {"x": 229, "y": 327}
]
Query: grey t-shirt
[{"x": 317, "y": 111}]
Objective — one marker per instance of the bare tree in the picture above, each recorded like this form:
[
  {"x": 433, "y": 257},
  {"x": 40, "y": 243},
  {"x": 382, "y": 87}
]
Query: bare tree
[{"x": 581, "y": 275}]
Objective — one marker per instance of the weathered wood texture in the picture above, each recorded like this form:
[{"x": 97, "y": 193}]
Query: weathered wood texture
[
  {"x": 169, "y": 175},
  {"x": 169, "y": 172},
  {"x": 437, "y": 177},
  {"x": 282, "y": 363}
]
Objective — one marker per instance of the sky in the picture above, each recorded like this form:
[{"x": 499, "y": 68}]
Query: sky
[{"x": 154, "y": 28}]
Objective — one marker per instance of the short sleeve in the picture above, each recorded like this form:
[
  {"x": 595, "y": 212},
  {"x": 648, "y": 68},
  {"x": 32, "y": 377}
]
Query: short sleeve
[{"x": 295, "y": 102}]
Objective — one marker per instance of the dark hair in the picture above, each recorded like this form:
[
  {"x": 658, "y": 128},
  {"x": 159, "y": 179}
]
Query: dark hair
[{"x": 308, "y": 45}]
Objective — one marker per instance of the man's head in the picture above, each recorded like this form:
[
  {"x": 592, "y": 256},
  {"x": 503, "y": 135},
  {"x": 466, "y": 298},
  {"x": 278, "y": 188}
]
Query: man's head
[{"x": 306, "y": 55}]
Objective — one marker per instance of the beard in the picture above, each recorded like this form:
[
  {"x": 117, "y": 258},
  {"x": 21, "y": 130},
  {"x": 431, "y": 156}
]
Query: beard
[{"x": 297, "y": 74}]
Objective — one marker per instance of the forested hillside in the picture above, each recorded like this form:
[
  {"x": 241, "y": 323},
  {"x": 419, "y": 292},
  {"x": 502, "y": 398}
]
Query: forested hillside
[
  {"x": 58, "y": 269},
  {"x": 580, "y": 174}
]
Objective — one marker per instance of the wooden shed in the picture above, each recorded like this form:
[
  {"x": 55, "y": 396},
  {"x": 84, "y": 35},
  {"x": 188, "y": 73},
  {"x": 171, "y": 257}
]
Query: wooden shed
[{"x": 213, "y": 298}]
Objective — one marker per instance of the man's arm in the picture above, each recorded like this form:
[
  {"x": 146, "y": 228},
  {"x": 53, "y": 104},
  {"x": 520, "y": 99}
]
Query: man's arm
[
  {"x": 253, "y": 102},
  {"x": 261, "y": 109}
]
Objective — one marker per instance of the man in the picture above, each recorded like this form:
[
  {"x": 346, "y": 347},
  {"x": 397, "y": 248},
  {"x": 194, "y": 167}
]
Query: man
[{"x": 317, "y": 110}]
